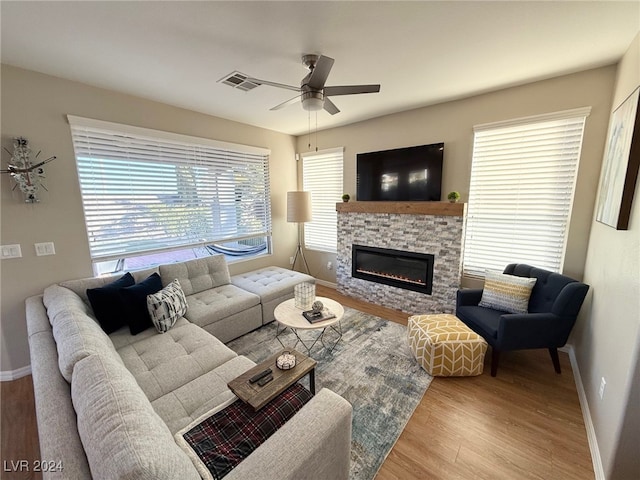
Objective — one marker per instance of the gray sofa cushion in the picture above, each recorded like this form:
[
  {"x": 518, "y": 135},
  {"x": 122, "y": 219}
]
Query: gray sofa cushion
[
  {"x": 274, "y": 285},
  {"x": 271, "y": 282},
  {"x": 56, "y": 417},
  {"x": 122, "y": 436},
  {"x": 59, "y": 299},
  {"x": 213, "y": 305},
  {"x": 77, "y": 334},
  {"x": 163, "y": 363},
  {"x": 197, "y": 275},
  {"x": 185, "y": 404}
]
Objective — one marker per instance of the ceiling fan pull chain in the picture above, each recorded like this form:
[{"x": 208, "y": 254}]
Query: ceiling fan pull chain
[
  {"x": 309, "y": 129},
  {"x": 316, "y": 131}
]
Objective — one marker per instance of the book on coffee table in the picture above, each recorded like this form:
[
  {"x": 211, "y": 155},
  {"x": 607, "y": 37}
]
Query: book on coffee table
[{"x": 315, "y": 317}]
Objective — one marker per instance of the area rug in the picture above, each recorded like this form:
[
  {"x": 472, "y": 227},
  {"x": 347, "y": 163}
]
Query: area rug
[{"x": 371, "y": 367}]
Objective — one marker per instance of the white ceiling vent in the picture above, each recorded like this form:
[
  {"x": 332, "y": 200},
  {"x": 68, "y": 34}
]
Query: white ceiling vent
[{"x": 238, "y": 80}]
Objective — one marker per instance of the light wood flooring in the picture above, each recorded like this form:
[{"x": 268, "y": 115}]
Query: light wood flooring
[{"x": 526, "y": 423}]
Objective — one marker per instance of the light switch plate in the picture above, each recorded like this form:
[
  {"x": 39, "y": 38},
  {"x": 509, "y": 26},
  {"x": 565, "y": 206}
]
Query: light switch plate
[
  {"x": 46, "y": 248},
  {"x": 11, "y": 251}
]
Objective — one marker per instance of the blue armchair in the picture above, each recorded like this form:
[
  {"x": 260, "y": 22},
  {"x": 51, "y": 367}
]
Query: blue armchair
[{"x": 553, "y": 308}]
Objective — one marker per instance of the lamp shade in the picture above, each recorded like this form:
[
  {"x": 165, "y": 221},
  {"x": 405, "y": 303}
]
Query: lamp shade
[{"x": 298, "y": 207}]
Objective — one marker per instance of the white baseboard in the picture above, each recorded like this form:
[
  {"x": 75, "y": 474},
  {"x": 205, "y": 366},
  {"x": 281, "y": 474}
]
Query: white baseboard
[
  {"x": 324, "y": 283},
  {"x": 586, "y": 414},
  {"x": 15, "y": 374}
]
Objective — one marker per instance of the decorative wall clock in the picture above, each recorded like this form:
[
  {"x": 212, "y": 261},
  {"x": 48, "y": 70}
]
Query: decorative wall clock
[{"x": 28, "y": 174}]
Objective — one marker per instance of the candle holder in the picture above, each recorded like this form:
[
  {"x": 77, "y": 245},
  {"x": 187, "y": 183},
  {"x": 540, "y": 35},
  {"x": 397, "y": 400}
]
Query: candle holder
[{"x": 304, "y": 294}]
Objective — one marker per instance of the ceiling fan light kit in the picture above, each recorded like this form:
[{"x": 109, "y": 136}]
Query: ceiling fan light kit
[
  {"x": 312, "y": 92},
  {"x": 312, "y": 101}
]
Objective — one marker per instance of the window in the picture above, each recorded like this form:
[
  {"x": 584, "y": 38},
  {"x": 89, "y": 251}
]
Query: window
[
  {"x": 146, "y": 193},
  {"x": 322, "y": 176},
  {"x": 523, "y": 179}
]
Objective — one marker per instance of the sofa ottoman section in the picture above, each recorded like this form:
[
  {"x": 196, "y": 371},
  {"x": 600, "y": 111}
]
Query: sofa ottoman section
[
  {"x": 446, "y": 347},
  {"x": 222, "y": 309},
  {"x": 273, "y": 285}
]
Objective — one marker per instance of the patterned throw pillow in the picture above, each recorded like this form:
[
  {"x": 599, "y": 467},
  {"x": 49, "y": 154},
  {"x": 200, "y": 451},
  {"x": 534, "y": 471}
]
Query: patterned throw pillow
[
  {"x": 167, "y": 306},
  {"x": 508, "y": 293}
]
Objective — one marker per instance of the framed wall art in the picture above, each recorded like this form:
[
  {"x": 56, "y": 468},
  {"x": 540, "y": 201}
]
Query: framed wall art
[{"x": 620, "y": 165}]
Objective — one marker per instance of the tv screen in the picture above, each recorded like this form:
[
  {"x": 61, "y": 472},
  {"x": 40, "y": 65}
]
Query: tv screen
[{"x": 403, "y": 174}]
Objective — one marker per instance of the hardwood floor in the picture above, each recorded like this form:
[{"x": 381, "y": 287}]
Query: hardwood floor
[
  {"x": 19, "y": 430},
  {"x": 526, "y": 423}
]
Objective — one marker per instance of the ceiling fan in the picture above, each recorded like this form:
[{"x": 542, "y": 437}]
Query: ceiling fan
[{"x": 312, "y": 91}]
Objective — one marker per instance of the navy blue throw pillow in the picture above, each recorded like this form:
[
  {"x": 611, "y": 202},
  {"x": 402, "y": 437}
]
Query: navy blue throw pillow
[
  {"x": 135, "y": 298},
  {"x": 107, "y": 303}
]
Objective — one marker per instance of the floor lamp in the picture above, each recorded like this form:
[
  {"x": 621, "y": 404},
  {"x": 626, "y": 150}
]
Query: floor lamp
[{"x": 299, "y": 211}]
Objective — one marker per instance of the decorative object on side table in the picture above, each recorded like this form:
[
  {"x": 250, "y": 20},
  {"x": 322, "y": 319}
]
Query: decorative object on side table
[
  {"x": 286, "y": 361},
  {"x": 27, "y": 174},
  {"x": 315, "y": 316},
  {"x": 304, "y": 294},
  {"x": 346, "y": 197},
  {"x": 620, "y": 165},
  {"x": 453, "y": 197}
]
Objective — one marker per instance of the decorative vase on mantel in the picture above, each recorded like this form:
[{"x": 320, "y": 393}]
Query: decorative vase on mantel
[{"x": 453, "y": 197}]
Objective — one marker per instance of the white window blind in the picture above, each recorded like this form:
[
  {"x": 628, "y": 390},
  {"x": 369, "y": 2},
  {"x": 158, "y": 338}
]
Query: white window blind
[
  {"x": 146, "y": 191},
  {"x": 523, "y": 179},
  {"x": 322, "y": 176}
]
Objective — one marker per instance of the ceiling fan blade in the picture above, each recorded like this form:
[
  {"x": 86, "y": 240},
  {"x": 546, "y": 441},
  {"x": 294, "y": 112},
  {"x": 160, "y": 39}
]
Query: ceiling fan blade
[
  {"x": 350, "y": 89},
  {"x": 330, "y": 107},
  {"x": 291, "y": 101},
  {"x": 320, "y": 72},
  {"x": 273, "y": 84}
]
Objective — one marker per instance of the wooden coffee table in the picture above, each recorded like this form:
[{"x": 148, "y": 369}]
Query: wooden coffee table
[
  {"x": 258, "y": 396},
  {"x": 288, "y": 316}
]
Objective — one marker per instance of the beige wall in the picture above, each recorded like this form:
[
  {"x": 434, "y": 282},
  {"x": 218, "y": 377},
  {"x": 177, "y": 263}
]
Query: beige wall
[
  {"x": 607, "y": 335},
  {"x": 452, "y": 123},
  {"x": 35, "y": 106}
]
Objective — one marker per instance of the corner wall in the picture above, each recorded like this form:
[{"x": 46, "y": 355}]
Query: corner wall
[
  {"x": 606, "y": 337},
  {"x": 35, "y": 106}
]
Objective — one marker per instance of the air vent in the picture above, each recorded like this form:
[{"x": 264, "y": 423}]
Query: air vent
[{"x": 238, "y": 80}]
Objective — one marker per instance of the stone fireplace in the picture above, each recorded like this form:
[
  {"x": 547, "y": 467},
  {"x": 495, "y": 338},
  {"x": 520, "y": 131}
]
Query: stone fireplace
[{"x": 402, "y": 255}]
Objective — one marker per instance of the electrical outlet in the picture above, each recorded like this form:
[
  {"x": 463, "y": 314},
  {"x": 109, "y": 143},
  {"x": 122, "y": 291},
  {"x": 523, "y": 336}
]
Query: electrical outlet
[
  {"x": 603, "y": 383},
  {"x": 11, "y": 251},
  {"x": 46, "y": 248},
  {"x": 290, "y": 260},
  {"x": 329, "y": 265}
]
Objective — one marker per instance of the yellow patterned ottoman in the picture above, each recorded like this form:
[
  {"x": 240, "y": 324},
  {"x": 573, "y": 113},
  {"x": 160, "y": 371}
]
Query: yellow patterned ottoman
[{"x": 446, "y": 347}]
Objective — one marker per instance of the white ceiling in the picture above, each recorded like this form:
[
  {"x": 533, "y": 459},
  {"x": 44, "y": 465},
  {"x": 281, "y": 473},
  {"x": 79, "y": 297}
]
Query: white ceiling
[{"x": 421, "y": 52}]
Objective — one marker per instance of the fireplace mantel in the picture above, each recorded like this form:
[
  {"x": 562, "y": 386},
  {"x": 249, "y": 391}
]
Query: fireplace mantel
[{"x": 411, "y": 208}]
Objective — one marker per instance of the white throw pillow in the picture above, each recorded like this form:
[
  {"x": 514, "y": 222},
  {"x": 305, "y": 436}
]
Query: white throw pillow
[
  {"x": 167, "y": 306},
  {"x": 508, "y": 293}
]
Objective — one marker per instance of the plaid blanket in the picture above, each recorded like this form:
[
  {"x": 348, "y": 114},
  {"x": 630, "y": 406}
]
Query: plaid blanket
[{"x": 226, "y": 438}]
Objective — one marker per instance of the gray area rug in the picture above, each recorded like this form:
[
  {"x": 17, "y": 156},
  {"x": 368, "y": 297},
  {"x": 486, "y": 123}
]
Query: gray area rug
[{"x": 371, "y": 367}]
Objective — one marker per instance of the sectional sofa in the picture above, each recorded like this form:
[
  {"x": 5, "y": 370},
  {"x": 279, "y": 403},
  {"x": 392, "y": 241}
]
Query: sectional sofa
[{"x": 109, "y": 405}]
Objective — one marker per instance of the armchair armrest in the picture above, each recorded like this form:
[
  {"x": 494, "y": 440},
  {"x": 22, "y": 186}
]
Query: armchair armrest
[
  {"x": 570, "y": 299},
  {"x": 468, "y": 297},
  {"x": 533, "y": 330}
]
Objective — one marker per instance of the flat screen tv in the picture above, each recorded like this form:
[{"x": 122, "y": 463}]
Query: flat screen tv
[{"x": 408, "y": 174}]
